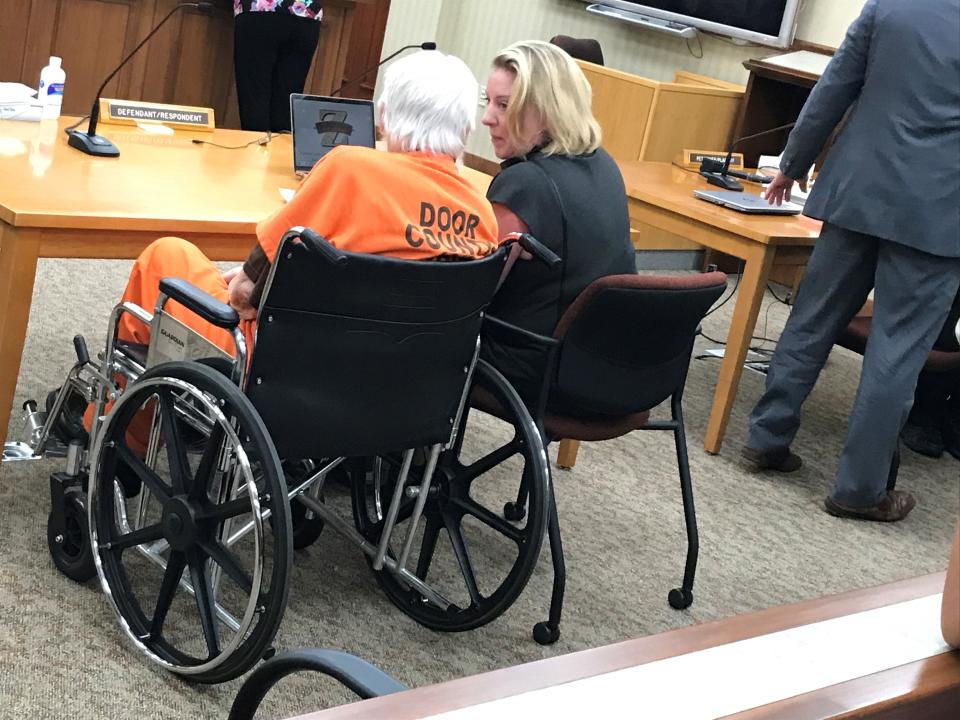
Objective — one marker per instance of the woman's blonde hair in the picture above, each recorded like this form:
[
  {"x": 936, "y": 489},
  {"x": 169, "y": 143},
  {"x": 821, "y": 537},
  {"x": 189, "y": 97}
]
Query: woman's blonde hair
[{"x": 547, "y": 79}]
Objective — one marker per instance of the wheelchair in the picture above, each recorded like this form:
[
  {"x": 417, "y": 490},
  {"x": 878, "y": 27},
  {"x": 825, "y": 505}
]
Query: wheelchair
[{"x": 202, "y": 472}]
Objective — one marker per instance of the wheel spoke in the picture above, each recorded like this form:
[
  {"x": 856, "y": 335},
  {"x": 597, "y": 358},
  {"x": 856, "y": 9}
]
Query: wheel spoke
[
  {"x": 489, "y": 461},
  {"x": 490, "y": 519},
  {"x": 203, "y": 594},
  {"x": 452, "y": 524},
  {"x": 202, "y": 480},
  {"x": 137, "y": 537},
  {"x": 147, "y": 476},
  {"x": 176, "y": 452},
  {"x": 427, "y": 546},
  {"x": 168, "y": 589},
  {"x": 227, "y": 510},
  {"x": 222, "y": 557}
]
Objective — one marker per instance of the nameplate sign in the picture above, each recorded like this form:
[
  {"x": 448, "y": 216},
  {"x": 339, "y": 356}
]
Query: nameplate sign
[
  {"x": 693, "y": 158},
  {"x": 131, "y": 112}
]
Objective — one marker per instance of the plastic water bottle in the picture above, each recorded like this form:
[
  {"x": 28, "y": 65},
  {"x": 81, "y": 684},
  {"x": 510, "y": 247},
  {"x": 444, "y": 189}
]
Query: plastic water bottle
[{"x": 50, "y": 92}]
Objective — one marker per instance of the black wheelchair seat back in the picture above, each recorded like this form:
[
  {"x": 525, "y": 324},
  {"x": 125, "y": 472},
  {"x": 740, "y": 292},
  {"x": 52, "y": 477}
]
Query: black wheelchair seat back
[{"x": 360, "y": 354}]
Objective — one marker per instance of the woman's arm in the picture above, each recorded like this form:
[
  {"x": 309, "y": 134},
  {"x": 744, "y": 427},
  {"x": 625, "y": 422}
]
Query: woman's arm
[{"x": 508, "y": 222}]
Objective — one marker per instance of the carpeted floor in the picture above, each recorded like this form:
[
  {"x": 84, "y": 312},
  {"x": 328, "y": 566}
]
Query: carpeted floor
[{"x": 764, "y": 541}]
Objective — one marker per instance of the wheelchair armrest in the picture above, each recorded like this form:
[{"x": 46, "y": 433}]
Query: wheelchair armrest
[
  {"x": 361, "y": 677},
  {"x": 199, "y": 302}
]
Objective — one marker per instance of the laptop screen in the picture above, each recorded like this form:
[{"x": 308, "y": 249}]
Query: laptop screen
[{"x": 320, "y": 123}]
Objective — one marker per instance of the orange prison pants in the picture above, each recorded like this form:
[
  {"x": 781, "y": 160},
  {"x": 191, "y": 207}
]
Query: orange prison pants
[{"x": 171, "y": 257}]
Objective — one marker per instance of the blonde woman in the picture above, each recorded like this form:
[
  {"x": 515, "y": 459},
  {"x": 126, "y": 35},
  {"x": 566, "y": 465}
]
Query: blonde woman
[{"x": 556, "y": 183}]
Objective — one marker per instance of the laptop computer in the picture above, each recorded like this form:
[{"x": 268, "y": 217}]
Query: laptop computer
[
  {"x": 746, "y": 202},
  {"x": 319, "y": 124}
]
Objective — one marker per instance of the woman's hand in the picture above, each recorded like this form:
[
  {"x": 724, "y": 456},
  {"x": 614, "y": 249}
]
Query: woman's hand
[
  {"x": 239, "y": 290},
  {"x": 779, "y": 189}
]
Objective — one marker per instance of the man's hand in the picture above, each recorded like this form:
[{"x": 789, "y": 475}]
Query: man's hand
[
  {"x": 231, "y": 273},
  {"x": 239, "y": 290},
  {"x": 779, "y": 189}
]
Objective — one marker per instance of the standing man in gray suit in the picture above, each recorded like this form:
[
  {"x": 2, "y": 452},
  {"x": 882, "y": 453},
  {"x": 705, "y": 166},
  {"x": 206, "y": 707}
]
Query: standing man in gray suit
[{"x": 889, "y": 196}]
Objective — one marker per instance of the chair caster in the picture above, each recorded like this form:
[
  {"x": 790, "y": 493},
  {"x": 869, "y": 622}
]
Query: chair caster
[
  {"x": 514, "y": 512},
  {"x": 545, "y": 633},
  {"x": 680, "y": 598}
]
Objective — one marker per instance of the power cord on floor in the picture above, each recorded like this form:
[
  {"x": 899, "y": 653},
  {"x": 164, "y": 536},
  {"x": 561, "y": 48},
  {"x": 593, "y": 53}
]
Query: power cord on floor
[{"x": 733, "y": 292}]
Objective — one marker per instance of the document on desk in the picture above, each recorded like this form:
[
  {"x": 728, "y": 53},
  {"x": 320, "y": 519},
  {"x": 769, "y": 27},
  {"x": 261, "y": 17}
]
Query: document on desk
[
  {"x": 801, "y": 61},
  {"x": 742, "y": 675},
  {"x": 18, "y": 102}
]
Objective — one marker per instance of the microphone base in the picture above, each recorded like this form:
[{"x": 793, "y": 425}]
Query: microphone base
[
  {"x": 724, "y": 181},
  {"x": 92, "y": 144}
]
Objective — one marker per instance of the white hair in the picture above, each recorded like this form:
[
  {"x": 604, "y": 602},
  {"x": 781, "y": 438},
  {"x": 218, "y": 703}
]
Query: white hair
[{"x": 429, "y": 103}]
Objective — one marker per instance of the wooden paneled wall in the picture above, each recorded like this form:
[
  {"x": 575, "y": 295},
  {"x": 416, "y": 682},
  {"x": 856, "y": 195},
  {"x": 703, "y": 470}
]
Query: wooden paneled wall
[{"x": 188, "y": 62}]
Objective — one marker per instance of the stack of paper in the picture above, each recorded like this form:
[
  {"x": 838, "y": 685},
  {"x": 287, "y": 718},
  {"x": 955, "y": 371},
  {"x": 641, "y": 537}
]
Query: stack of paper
[
  {"x": 18, "y": 102},
  {"x": 801, "y": 61}
]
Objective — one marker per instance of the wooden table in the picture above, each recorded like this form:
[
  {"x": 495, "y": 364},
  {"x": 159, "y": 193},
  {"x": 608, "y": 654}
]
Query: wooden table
[
  {"x": 56, "y": 202},
  {"x": 661, "y": 195},
  {"x": 927, "y": 688}
]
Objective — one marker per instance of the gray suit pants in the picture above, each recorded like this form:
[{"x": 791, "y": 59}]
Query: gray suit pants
[{"x": 913, "y": 293}]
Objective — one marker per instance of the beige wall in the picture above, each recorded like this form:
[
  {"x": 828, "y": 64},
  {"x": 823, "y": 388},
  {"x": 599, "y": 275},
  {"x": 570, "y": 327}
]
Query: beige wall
[{"x": 476, "y": 29}]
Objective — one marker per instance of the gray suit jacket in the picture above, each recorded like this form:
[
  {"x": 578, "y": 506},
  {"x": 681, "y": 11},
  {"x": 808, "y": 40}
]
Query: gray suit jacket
[{"x": 894, "y": 171}]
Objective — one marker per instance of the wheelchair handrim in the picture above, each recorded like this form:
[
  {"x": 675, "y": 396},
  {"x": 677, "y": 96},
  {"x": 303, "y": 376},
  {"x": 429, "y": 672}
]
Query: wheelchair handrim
[{"x": 247, "y": 474}]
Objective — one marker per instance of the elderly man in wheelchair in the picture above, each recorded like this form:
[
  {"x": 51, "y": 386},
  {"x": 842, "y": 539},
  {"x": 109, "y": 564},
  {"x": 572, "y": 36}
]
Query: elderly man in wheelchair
[{"x": 221, "y": 403}]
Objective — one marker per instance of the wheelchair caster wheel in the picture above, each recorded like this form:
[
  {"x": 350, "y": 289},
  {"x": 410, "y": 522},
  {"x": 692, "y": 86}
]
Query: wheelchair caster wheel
[
  {"x": 680, "y": 599},
  {"x": 545, "y": 634},
  {"x": 70, "y": 545},
  {"x": 305, "y": 531},
  {"x": 514, "y": 512}
]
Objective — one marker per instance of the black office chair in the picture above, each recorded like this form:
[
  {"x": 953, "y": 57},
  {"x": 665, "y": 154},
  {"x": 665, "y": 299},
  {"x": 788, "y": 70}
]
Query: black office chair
[
  {"x": 356, "y": 356},
  {"x": 580, "y": 48},
  {"x": 622, "y": 348}
]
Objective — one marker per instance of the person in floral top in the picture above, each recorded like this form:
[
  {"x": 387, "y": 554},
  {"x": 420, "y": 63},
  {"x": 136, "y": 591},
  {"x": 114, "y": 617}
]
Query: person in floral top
[{"x": 273, "y": 46}]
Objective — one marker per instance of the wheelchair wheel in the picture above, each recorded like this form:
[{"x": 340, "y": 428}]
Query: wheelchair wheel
[
  {"x": 468, "y": 554},
  {"x": 198, "y": 583},
  {"x": 70, "y": 549}
]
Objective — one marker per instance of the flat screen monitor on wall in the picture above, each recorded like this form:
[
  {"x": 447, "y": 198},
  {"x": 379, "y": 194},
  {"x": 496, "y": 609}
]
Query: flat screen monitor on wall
[{"x": 768, "y": 22}]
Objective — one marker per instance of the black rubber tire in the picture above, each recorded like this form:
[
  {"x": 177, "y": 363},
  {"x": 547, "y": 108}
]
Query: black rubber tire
[
  {"x": 529, "y": 443},
  {"x": 305, "y": 532},
  {"x": 71, "y": 553},
  {"x": 258, "y": 447},
  {"x": 680, "y": 599}
]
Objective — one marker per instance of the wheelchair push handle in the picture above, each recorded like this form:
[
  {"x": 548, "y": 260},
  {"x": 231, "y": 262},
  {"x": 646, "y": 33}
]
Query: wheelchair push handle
[
  {"x": 540, "y": 251},
  {"x": 317, "y": 243}
]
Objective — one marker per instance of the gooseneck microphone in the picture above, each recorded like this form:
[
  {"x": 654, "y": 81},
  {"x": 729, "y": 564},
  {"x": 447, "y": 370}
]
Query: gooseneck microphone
[
  {"x": 93, "y": 144},
  {"x": 361, "y": 76},
  {"x": 719, "y": 174}
]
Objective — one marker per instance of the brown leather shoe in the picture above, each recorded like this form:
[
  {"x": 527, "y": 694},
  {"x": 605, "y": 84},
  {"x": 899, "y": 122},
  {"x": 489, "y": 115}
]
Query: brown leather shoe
[
  {"x": 779, "y": 460},
  {"x": 895, "y": 505}
]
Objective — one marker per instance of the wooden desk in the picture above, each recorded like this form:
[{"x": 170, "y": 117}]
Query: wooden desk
[
  {"x": 56, "y": 202},
  {"x": 661, "y": 195},
  {"x": 929, "y": 688}
]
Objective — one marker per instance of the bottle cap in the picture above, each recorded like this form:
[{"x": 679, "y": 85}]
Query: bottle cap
[{"x": 55, "y": 61}]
